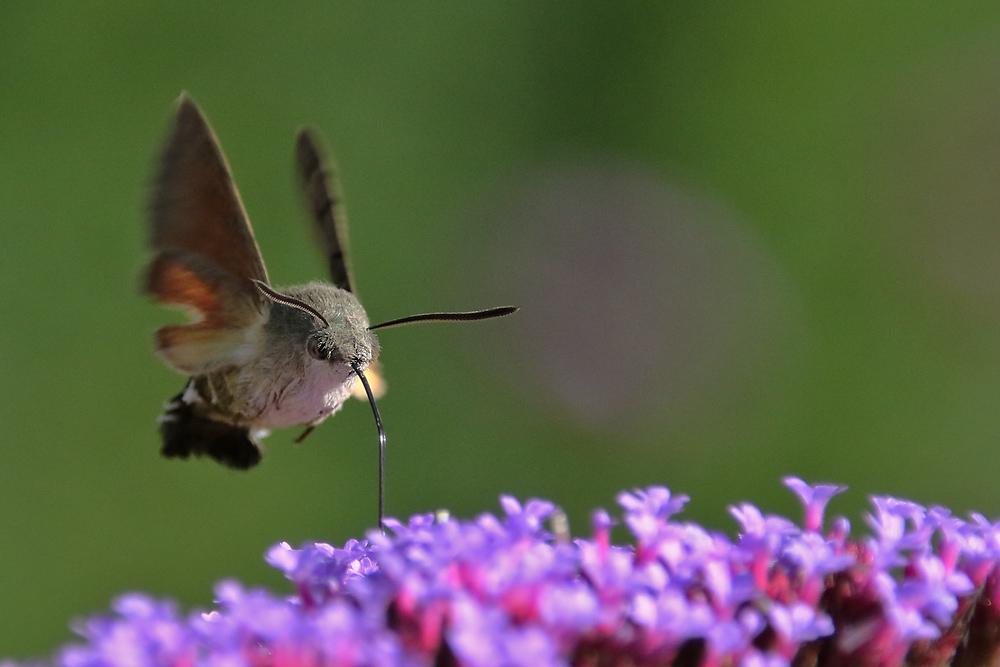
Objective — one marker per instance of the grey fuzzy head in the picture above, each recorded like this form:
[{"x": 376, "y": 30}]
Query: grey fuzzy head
[{"x": 343, "y": 339}]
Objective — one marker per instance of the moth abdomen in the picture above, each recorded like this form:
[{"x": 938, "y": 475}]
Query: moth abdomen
[{"x": 187, "y": 431}]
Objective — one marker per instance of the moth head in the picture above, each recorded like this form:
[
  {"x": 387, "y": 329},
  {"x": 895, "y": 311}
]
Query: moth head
[
  {"x": 343, "y": 344},
  {"x": 327, "y": 322}
]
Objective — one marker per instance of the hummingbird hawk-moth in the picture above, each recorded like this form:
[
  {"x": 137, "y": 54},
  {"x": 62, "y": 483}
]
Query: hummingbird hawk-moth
[{"x": 257, "y": 357}]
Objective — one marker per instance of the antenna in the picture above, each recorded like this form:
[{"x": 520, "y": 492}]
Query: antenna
[
  {"x": 467, "y": 316},
  {"x": 286, "y": 300}
]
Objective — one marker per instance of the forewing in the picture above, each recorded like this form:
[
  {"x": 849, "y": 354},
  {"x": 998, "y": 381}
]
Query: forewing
[
  {"x": 196, "y": 206},
  {"x": 321, "y": 193},
  {"x": 205, "y": 255}
]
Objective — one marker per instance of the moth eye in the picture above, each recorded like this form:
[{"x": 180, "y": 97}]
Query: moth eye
[{"x": 314, "y": 349}]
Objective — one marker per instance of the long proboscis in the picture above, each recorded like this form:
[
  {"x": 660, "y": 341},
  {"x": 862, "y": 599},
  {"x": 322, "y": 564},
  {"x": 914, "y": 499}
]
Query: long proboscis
[
  {"x": 468, "y": 316},
  {"x": 381, "y": 448}
]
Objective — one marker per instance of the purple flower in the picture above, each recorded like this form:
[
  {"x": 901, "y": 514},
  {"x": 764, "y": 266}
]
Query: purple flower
[
  {"x": 814, "y": 500},
  {"x": 505, "y": 591}
]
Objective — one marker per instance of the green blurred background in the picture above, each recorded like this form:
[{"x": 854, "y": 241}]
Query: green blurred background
[{"x": 750, "y": 239}]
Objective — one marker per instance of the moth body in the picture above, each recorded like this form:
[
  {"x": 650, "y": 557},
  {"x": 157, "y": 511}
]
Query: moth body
[
  {"x": 303, "y": 370},
  {"x": 291, "y": 369}
]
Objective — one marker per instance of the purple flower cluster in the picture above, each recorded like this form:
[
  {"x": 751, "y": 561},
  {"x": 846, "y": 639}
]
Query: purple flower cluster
[{"x": 923, "y": 589}]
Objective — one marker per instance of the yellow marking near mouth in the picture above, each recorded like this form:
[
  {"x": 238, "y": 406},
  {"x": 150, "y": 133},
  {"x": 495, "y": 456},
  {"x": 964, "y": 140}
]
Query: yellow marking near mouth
[{"x": 376, "y": 380}]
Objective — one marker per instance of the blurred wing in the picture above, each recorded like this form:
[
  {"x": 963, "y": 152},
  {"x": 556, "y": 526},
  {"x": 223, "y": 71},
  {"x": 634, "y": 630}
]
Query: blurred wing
[
  {"x": 323, "y": 198},
  {"x": 205, "y": 255},
  {"x": 224, "y": 331}
]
